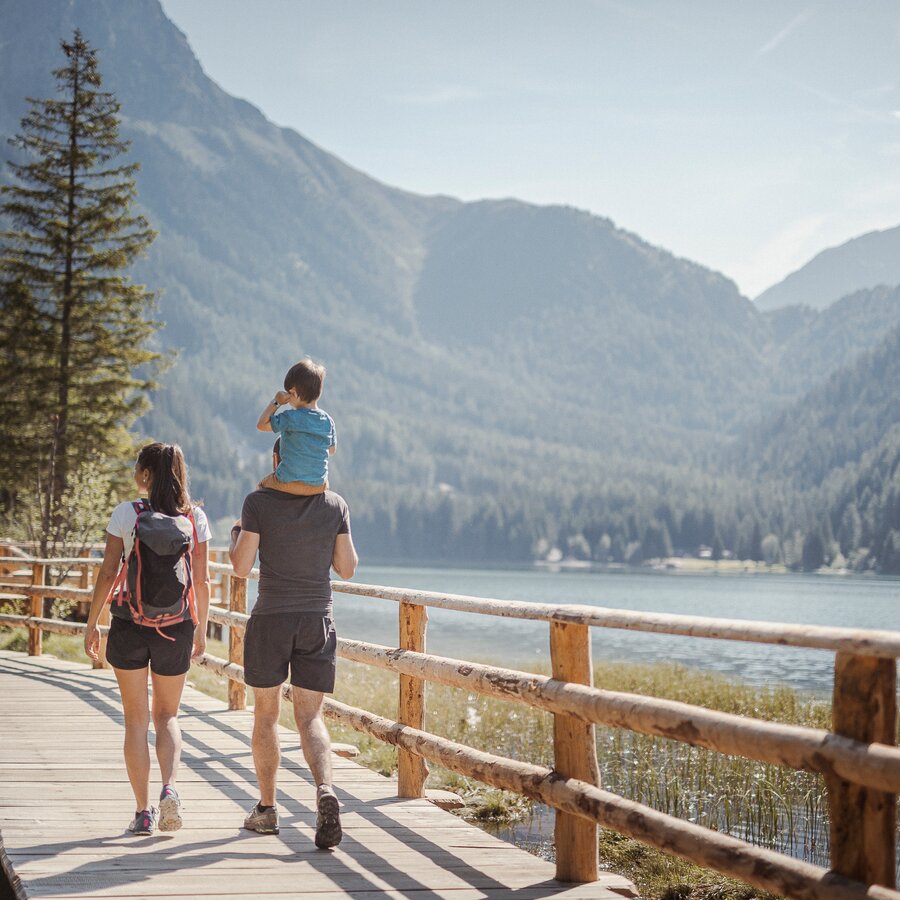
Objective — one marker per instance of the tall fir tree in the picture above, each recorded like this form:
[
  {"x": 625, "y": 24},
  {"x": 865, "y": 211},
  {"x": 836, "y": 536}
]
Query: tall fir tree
[{"x": 75, "y": 361}]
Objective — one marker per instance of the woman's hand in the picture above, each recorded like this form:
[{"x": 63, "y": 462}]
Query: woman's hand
[
  {"x": 92, "y": 642},
  {"x": 199, "y": 643}
]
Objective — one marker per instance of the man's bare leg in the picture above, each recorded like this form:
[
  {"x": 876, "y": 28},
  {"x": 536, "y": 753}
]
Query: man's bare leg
[
  {"x": 316, "y": 745},
  {"x": 314, "y": 738},
  {"x": 266, "y": 749}
]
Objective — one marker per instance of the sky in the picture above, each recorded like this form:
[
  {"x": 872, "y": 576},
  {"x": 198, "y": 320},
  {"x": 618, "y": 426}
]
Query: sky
[{"x": 747, "y": 136}]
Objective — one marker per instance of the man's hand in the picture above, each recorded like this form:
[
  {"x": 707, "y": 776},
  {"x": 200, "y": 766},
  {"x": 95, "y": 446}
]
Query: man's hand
[
  {"x": 282, "y": 397},
  {"x": 92, "y": 642}
]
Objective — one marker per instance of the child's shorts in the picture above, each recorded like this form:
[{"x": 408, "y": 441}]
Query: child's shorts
[{"x": 300, "y": 488}]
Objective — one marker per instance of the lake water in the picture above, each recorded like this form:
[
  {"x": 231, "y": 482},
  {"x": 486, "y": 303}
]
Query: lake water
[{"x": 852, "y": 601}]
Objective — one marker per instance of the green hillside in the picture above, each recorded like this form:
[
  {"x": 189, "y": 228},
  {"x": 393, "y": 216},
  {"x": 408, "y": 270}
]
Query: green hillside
[{"x": 505, "y": 377}]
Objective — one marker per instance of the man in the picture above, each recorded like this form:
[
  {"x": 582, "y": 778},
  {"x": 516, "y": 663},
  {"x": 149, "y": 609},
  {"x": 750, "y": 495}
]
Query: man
[{"x": 299, "y": 540}]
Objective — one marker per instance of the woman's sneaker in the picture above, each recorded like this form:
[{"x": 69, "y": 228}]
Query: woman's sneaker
[
  {"x": 169, "y": 809},
  {"x": 144, "y": 822},
  {"x": 262, "y": 821},
  {"x": 328, "y": 818}
]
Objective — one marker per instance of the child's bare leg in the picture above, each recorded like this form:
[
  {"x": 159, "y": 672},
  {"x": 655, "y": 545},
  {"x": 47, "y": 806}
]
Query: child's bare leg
[{"x": 298, "y": 488}]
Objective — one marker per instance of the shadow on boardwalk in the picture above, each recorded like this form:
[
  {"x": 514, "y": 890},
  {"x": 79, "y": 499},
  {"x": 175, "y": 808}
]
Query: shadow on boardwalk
[{"x": 391, "y": 848}]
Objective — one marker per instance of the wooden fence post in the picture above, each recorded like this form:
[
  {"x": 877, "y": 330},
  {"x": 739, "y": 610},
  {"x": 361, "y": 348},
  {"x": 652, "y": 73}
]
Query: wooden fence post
[
  {"x": 35, "y": 635},
  {"x": 237, "y": 602},
  {"x": 863, "y": 820},
  {"x": 575, "y": 754},
  {"x": 412, "y": 770}
]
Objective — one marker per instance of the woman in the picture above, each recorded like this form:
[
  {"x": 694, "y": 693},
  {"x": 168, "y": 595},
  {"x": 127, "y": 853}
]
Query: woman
[{"x": 160, "y": 473}]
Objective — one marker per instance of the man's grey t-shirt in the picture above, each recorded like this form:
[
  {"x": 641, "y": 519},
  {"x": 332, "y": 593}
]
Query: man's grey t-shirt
[{"x": 296, "y": 545}]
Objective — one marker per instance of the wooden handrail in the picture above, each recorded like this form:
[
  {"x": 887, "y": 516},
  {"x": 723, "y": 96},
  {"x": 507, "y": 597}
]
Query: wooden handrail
[
  {"x": 793, "y": 746},
  {"x": 860, "y": 763},
  {"x": 868, "y": 642}
]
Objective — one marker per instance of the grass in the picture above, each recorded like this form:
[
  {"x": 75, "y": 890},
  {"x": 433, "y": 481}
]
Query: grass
[{"x": 767, "y": 805}]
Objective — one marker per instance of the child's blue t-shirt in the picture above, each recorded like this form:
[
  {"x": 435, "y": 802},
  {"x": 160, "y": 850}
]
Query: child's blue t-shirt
[{"x": 306, "y": 435}]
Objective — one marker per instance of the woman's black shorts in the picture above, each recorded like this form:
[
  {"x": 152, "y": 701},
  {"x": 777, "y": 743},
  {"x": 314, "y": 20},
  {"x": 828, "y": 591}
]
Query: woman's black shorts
[{"x": 131, "y": 646}]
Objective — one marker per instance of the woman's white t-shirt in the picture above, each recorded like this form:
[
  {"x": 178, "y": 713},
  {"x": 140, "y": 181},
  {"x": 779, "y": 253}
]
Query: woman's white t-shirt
[{"x": 121, "y": 525}]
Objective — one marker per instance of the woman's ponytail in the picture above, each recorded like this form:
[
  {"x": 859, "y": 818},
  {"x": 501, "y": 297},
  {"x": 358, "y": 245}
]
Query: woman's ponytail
[{"x": 169, "y": 492}]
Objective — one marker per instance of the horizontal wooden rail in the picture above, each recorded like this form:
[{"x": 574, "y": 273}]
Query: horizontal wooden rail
[
  {"x": 866, "y": 642},
  {"x": 764, "y": 868},
  {"x": 809, "y": 749},
  {"x": 60, "y": 591},
  {"x": 57, "y": 626}
]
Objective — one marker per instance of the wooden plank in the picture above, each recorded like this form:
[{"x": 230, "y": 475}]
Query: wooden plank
[
  {"x": 575, "y": 754},
  {"x": 63, "y": 809},
  {"x": 863, "y": 820},
  {"x": 411, "y": 768}
]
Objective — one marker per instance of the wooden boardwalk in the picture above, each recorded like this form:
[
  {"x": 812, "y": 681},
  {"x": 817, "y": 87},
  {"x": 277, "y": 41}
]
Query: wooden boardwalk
[{"x": 65, "y": 801}]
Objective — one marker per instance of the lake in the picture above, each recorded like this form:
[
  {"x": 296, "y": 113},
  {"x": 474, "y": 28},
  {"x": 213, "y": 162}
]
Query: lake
[{"x": 851, "y": 601}]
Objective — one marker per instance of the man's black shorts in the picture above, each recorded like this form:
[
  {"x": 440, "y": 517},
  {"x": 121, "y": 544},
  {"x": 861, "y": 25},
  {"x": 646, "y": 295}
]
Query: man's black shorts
[
  {"x": 304, "y": 642},
  {"x": 131, "y": 646}
]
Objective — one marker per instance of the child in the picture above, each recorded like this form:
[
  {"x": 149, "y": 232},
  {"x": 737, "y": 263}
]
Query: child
[{"x": 307, "y": 432}]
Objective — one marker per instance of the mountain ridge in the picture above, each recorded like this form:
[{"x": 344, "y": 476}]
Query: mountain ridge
[
  {"x": 867, "y": 261},
  {"x": 476, "y": 350}
]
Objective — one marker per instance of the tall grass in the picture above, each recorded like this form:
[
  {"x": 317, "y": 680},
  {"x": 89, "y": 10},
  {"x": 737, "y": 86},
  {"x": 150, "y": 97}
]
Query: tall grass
[{"x": 764, "y": 804}]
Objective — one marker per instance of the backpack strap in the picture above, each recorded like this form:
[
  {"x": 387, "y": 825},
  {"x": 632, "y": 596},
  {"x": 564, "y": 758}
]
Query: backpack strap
[{"x": 192, "y": 600}]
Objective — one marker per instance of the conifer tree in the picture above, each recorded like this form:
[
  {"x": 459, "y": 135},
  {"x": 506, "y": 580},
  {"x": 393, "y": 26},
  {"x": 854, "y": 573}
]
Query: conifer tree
[{"x": 74, "y": 357}]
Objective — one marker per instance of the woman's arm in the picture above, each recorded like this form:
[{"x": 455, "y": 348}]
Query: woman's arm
[
  {"x": 200, "y": 575},
  {"x": 106, "y": 576}
]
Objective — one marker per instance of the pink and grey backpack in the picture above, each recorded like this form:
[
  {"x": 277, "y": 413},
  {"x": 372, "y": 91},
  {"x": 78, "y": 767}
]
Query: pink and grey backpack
[{"x": 155, "y": 581}]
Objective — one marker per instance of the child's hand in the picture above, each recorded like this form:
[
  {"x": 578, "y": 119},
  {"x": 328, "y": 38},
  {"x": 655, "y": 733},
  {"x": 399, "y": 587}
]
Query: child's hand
[{"x": 282, "y": 397}]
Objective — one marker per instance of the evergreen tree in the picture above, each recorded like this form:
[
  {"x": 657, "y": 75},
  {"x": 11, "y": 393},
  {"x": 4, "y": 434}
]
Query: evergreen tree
[
  {"x": 75, "y": 332},
  {"x": 813, "y": 552}
]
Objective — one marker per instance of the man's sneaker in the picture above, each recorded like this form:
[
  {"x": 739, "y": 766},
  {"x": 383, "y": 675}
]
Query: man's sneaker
[
  {"x": 328, "y": 818},
  {"x": 144, "y": 822},
  {"x": 264, "y": 822},
  {"x": 169, "y": 809}
]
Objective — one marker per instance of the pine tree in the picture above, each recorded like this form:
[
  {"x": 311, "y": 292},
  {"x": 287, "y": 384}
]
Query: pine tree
[{"x": 74, "y": 356}]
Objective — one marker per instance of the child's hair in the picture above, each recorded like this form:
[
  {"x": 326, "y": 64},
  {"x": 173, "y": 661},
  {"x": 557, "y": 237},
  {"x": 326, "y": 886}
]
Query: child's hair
[
  {"x": 306, "y": 378},
  {"x": 169, "y": 492}
]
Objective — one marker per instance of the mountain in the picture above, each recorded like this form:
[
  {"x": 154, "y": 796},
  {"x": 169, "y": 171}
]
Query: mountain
[
  {"x": 808, "y": 345},
  {"x": 504, "y": 376},
  {"x": 833, "y": 425},
  {"x": 867, "y": 261},
  {"x": 446, "y": 326}
]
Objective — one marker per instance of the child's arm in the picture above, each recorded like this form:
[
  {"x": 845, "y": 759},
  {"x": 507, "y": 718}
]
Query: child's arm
[{"x": 271, "y": 408}]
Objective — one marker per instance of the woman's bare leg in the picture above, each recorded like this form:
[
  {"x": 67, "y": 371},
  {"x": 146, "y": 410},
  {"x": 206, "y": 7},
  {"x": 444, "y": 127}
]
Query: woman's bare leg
[
  {"x": 133, "y": 686},
  {"x": 167, "y": 690}
]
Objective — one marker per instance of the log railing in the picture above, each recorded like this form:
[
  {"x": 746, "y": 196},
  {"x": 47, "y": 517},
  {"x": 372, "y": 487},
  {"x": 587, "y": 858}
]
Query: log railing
[{"x": 857, "y": 757}]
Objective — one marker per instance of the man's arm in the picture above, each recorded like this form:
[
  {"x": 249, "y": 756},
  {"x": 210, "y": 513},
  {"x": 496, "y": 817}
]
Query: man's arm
[
  {"x": 344, "y": 559},
  {"x": 242, "y": 551},
  {"x": 265, "y": 417}
]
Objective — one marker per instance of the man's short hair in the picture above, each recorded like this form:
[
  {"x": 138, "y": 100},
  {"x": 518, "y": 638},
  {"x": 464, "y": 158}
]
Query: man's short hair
[{"x": 306, "y": 378}]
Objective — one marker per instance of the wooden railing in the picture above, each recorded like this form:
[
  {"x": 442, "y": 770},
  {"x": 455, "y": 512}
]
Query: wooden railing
[{"x": 858, "y": 759}]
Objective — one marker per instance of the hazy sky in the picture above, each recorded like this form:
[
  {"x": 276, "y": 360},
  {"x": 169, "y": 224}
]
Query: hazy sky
[{"x": 747, "y": 136}]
